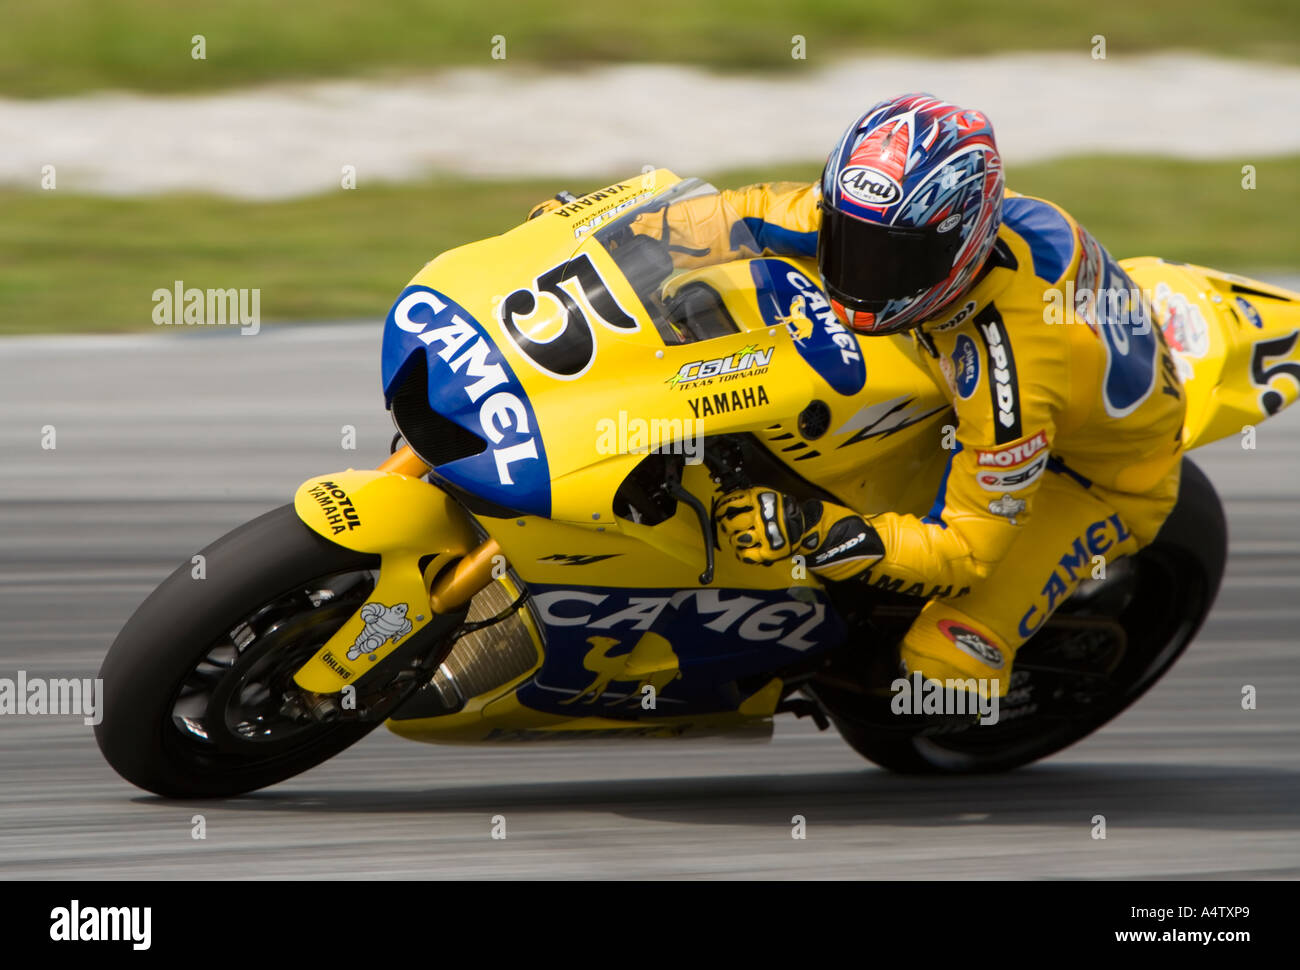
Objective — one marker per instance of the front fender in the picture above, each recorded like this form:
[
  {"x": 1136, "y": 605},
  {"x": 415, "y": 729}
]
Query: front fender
[{"x": 402, "y": 520}]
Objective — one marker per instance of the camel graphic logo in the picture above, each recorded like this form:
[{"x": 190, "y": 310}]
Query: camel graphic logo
[
  {"x": 383, "y": 623},
  {"x": 824, "y": 343},
  {"x": 651, "y": 663},
  {"x": 797, "y": 321}
]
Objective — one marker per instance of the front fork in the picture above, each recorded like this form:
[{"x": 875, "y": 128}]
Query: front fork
[{"x": 393, "y": 513}]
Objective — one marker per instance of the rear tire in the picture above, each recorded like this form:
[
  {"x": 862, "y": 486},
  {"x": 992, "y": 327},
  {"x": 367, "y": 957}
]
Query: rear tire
[{"x": 1159, "y": 602}]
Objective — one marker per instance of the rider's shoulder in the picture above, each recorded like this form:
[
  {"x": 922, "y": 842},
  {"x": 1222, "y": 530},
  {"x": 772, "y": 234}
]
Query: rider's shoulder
[{"x": 1048, "y": 233}]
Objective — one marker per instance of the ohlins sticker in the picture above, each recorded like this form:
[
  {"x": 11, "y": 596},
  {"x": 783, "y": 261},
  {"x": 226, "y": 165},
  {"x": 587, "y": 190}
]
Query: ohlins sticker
[
  {"x": 1099, "y": 538},
  {"x": 791, "y": 300},
  {"x": 340, "y": 514},
  {"x": 1002, "y": 375},
  {"x": 552, "y": 329},
  {"x": 1013, "y": 454},
  {"x": 1012, "y": 479},
  {"x": 973, "y": 643},
  {"x": 470, "y": 383},
  {"x": 726, "y": 402},
  {"x": 746, "y": 362},
  {"x": 383, "y": 623},
  {"x": 333, "y": 664}
]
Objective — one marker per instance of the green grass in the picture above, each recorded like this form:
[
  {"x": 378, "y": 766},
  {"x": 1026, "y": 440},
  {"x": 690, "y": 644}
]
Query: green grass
[
  {"x": 78, "y": 263},
  {"x": 61, "y": 46}
]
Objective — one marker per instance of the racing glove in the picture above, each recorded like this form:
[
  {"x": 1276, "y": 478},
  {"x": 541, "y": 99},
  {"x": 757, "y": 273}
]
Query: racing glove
[
  {"x": 696, "y": 231},
  {"x": 764, "y": 526}
]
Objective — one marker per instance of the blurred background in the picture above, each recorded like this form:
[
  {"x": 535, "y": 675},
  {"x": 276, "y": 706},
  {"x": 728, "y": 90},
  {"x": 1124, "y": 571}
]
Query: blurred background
[{"x": 322, "y": 151}]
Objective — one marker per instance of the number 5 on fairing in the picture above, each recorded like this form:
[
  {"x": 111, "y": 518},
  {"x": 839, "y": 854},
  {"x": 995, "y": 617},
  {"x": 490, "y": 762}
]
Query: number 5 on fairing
[{"x": 569, "y": 353}]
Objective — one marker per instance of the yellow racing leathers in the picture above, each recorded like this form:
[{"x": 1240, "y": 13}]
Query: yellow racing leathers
[{"x": 1069, "y": 412}]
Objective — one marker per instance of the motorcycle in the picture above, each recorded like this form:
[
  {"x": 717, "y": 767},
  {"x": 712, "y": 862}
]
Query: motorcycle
[{"x": 537, "y": 561}]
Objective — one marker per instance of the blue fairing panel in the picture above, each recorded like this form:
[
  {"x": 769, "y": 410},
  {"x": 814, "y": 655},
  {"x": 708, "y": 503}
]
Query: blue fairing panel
[
  {"x": 471, "y": 384},
  {"x": 708, "y": 639}
]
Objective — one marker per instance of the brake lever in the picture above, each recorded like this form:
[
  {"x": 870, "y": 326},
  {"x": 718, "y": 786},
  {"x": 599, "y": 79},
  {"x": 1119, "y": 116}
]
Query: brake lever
[{"x": 706, "y": 526}]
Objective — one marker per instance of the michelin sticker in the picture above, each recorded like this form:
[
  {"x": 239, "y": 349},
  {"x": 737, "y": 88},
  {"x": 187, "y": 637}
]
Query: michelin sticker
[
  {"x": 383, "y": 623},
  {"x": 1008, "y": 507}
]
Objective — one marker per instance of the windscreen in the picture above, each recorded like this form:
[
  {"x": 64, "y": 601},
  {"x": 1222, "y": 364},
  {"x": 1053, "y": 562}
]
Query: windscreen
[{"x": 688, "y": 226}]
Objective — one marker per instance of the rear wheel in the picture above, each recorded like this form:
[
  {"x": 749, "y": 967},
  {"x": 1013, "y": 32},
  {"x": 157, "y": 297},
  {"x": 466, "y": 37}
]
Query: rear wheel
[
  {"x": 1098, "y": 654},
  {"x": 199, "y": 698}
]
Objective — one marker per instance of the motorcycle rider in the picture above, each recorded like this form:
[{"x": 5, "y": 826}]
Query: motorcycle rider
[{"x": 1068, "y": 438}]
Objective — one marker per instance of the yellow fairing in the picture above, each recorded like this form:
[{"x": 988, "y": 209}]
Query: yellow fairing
[
  {"x": 400, "y": 519},
  {"x": 1236, "y": 340},
  {"x": 875, "y": 449},
  {"x": 498, "y": 716},
  {"x": 630, "y": 379}
]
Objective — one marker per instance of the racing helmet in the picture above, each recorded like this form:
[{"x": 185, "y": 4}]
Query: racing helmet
[{"x": 911, "y": 202}]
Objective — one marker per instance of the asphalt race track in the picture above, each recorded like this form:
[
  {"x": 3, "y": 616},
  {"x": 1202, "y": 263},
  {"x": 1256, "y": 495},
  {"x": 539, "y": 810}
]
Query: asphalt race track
[{"x": 165, "y": 441}]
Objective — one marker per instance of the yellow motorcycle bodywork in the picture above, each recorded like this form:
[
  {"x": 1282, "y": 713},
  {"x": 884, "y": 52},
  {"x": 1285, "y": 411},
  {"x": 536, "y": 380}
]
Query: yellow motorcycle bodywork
[
  {"x": 876, "y": 448},
  {"x": 1235, "y": 340}
]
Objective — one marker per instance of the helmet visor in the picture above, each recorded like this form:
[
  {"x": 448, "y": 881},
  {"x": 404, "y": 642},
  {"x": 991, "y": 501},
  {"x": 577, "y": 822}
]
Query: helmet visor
[{"x": 865, "y": 265}]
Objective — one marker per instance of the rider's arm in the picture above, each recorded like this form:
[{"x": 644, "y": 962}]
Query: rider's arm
[
  {"x": 1006, "y": 423},
  {"x": 1004, "y": 437},
  {"x": 782, "y": 217}
]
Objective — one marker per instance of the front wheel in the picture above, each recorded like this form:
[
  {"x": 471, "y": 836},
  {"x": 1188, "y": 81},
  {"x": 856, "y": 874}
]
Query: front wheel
[
  {"x": 199, "y": 698},
  {"x": 1097, "y": 655}
]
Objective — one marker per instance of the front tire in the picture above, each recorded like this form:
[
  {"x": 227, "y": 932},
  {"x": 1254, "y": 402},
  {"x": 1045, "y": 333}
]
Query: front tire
[{"x": 195, "y": 684}]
